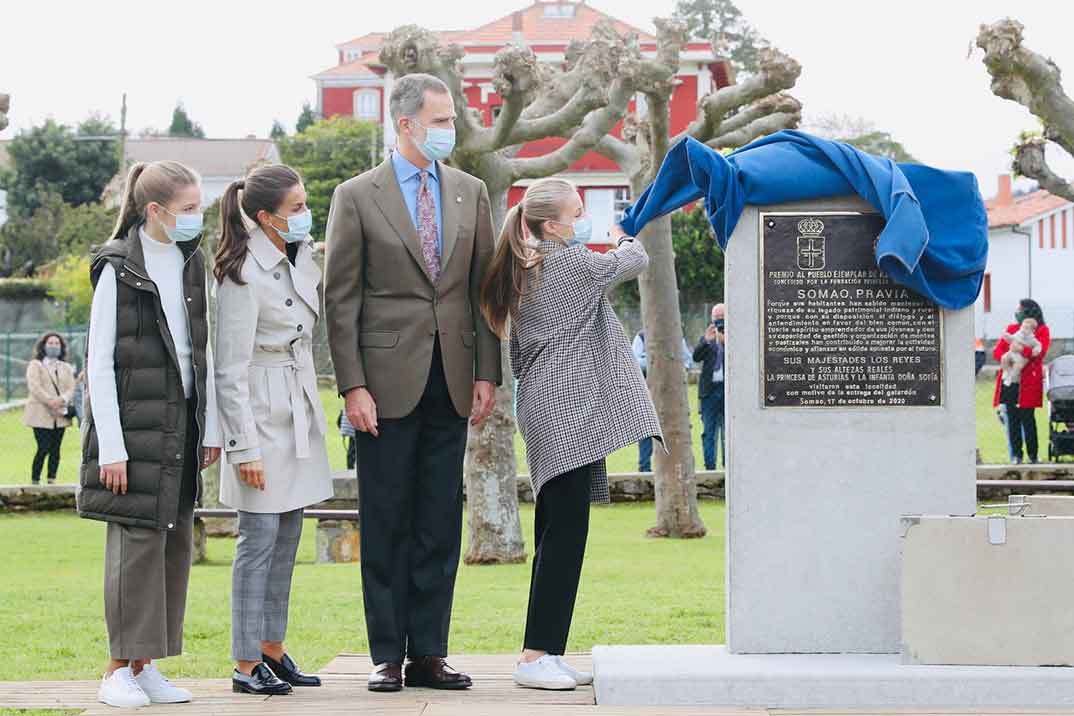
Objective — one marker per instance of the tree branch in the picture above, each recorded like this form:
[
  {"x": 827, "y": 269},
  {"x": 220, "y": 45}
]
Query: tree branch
[
  {"x": 5, "y": 107},
  {"x": 1029, "y": 160},
  {"x": 772, "y": 122},
  {"x": 778, "y": 72},
  {"x": 410, "y": 48},
  {"x": 1023, "y": 76}
]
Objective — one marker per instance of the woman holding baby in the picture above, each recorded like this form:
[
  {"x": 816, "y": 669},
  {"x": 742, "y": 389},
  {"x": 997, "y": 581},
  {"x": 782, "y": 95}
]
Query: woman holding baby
[{"x": 1020, "y": 380}]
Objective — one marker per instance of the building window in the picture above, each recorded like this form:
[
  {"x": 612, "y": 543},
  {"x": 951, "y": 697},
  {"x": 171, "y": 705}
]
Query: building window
[
  {"x": 622, "y": 201},
  {"x": 562, "y": 10},
  {"x": 367, "y": 105},
  {"x": 987, "y": 293}
]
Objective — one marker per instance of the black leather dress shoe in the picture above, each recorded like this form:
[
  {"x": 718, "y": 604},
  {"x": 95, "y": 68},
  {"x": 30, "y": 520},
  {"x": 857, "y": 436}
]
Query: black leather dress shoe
[
  {"x": 287, "y": 670},
  {"x": 433, "y": 672},
  {"x": 386, "y": 677},
  {"x": 261, "y": 682}
]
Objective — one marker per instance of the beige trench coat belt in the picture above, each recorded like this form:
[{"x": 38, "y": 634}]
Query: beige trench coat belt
[{"x": 298, "y": 358}]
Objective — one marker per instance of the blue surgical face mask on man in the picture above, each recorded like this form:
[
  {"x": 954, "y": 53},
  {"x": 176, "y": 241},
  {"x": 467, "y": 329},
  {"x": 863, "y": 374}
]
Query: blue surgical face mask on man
[
  {"x": 298, "y": 226},
  {"x": 187, "y": 226},
  {"x": 438, "y": 144}
]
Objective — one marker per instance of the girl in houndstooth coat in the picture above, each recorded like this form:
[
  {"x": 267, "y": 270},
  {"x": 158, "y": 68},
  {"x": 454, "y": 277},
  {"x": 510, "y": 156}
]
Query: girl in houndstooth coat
[{"x": 580, "y": 393}]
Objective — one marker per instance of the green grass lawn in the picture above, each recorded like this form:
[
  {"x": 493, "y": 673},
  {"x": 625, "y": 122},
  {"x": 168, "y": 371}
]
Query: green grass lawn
[
  {"x": 17, "y": 444},
  {"x": 634, "y": 590}
]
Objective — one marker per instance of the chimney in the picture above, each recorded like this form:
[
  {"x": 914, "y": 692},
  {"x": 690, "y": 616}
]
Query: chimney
[
  {"x": 516, "y": 27},
  {"x": 1003, "y": 194}
]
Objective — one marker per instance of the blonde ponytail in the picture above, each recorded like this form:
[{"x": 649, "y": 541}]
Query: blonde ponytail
[
  {"x": 506, "y": 280},
  {"x": 150, "y": 182}
]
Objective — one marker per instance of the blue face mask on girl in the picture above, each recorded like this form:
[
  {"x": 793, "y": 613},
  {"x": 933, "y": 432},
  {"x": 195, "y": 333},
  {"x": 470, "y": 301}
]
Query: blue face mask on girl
[
  {"x": 298, "y": 227},
  {"x": 439, "y": 142},
  {"x": 583, "y": 231},
  {"x": 187, "y": 226}
]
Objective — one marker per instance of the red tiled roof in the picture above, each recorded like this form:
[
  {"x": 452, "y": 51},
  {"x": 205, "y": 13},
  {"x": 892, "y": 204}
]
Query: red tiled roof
[
  {"x": 356, "y": 68},
  {"x": 538, "y": 28},
  {"x": 1022, "y": 208}
]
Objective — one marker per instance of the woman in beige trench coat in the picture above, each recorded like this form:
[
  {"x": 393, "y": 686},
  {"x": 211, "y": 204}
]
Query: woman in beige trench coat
[
  {"x": 268, "y": 299},
  {"x": 50, "y": 382}
]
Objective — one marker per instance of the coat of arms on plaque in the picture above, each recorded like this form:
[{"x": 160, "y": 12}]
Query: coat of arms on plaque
[{"x": 810, "y": 244}]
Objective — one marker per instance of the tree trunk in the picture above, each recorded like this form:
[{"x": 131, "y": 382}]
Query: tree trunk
[
  {"x": 491, "y": 469},
  {"x": 676, "y": 490}
]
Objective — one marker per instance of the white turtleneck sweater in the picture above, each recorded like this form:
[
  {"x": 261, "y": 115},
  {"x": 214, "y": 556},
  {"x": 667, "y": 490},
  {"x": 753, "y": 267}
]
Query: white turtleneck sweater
[{"x": 164, "y": 264}]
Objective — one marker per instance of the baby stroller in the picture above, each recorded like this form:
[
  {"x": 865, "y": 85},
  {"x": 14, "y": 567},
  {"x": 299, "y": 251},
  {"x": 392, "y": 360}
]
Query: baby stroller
[{"x": 1061, "y": 407}]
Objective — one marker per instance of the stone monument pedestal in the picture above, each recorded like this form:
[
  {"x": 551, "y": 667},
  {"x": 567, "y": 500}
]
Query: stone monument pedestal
[{"x": 670, "y": 676}]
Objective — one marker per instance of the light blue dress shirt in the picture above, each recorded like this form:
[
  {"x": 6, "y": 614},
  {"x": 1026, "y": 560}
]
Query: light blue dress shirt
[{"x": 409, "y": 178}]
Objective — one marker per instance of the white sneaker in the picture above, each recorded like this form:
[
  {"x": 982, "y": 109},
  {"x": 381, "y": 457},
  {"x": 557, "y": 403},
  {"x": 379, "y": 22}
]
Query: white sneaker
[
  {"x": 582, "y": 678},
  {"x": 544, "y": 673},
  {"x": 159, "y": 689},
  {"x": 122, "y": 690}
]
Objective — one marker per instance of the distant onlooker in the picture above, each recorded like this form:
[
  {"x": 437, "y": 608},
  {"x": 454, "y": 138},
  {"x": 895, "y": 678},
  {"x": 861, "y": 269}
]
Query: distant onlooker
[
  {"x": 348, "y": 432},
  {"x": 978, "y": 356},
  {"x": 51, "y": 384},
  {"x": 645, "y": 447},
  {"x": 711, "y": 354},
  {"x": 1021, "y": 390}
]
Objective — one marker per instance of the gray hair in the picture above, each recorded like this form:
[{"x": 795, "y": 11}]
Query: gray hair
[{"x": 408, "y": 94}]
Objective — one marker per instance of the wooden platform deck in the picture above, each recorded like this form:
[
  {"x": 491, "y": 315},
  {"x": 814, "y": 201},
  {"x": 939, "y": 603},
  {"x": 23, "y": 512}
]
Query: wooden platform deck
[{"x": 344, "y": 694}]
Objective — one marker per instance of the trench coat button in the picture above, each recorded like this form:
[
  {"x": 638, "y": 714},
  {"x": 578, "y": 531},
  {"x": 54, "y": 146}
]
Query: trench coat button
[
  {"x": 289, "y": 302},
  {"x": 231, "y": 443},
  {"x": 299, "y": 327},
  {"x": 276, "y": 275}
]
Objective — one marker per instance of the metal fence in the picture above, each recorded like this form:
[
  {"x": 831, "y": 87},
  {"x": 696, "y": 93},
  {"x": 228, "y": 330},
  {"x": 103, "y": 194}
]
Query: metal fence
[{"x": 16, "y": 351}]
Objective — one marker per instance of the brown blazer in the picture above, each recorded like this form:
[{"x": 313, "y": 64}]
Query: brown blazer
[{"x": 383, "y": 312}]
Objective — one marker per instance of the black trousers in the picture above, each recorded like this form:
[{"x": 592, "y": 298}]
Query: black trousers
[
  {"x": 1020, "y": 422},
  {"x": 48, "y": 445},
  {"x": 561, "y": 527},
  {"x": 410, "y": 516}
]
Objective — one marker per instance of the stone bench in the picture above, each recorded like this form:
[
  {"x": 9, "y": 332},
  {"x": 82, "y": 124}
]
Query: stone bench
[{"x": 337, "y": 533}]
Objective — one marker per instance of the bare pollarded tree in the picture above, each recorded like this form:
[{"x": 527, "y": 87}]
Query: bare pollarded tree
[
  {"x": 581, "y": 102},
  {"x": 727, "y": 118},
  {"x": 1033, "y": 81}
]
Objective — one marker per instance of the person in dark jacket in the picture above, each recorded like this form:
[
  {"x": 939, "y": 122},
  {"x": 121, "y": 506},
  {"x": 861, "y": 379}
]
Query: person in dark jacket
[
  {"x": 710, "y": 353},
  {"x": 151, "y": 423}
]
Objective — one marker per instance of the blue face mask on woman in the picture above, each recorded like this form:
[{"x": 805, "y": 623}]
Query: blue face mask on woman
[
  {"x": 298, "y": 226},
  {"x": 187, "y": 226},
  {"x": 439, "y": 142}
]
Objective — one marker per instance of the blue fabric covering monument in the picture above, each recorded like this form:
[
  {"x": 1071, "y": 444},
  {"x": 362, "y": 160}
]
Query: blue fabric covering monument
[{"x": 935, "y": 241}]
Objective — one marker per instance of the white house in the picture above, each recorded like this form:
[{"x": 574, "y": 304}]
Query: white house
[
  {"x": 4, "y": 161},
  {"x": 218, "y": 161},
  {"x": 1030, "y": 255}
]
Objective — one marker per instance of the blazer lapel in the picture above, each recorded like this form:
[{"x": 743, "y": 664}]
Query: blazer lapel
[
  {"x": 389, "y": 199},
  {"x": 450, "y": 206}
]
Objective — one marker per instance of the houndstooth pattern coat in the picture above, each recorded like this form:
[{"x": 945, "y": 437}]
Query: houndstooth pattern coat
[{"x": 581, "y": 395}]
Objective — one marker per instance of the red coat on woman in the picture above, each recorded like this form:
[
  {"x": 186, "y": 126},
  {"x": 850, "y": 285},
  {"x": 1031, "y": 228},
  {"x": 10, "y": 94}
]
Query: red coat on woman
[{"x": 1031, "y": 388}]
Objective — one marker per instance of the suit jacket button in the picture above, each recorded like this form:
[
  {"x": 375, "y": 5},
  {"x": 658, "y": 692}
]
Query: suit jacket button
[
  {"x": 289, "y": 302},
  {"x": 276, "y": 275}
]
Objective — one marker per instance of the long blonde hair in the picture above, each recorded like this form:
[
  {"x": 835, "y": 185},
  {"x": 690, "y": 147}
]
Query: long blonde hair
[
  {"x": 150, "y": 182},
  {"x": 505, "y": 282}
]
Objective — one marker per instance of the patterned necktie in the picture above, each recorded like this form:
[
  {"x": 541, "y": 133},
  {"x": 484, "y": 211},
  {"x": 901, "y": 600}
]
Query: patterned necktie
[{"x": 427, "y": 232}]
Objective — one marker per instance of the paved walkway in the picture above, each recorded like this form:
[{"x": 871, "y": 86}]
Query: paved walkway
[{"x": 344, "y": 693}]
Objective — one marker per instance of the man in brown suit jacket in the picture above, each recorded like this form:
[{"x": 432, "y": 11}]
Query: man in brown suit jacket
[{"x": 407, "y": 247}]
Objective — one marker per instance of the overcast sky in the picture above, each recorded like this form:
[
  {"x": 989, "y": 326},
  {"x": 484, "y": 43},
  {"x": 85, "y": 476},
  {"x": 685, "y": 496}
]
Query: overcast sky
[{"x": 239, "y": 65}]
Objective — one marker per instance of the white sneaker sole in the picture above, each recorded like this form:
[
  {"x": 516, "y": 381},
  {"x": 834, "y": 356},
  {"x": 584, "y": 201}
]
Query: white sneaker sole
[
  {"x": 173, "y": 700},
  {"x": 137, "y": 705},
  {"x": 546, "y": 685}
]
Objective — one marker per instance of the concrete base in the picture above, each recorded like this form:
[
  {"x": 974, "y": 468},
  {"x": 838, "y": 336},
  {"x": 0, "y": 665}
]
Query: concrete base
[{"x": 712, "y": 676}]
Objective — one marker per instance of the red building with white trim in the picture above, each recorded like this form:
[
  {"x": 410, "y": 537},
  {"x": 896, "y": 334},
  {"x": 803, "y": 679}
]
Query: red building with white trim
[{"x": 358, "y": 86}]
